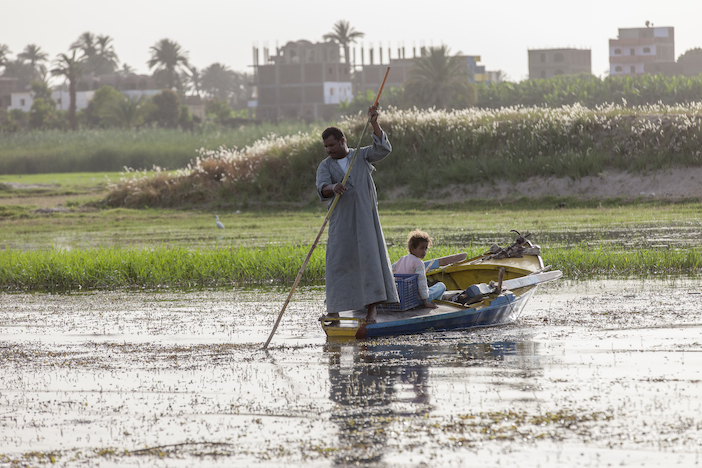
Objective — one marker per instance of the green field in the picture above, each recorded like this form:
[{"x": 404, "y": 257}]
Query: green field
[
  {"x": 79, "y": 230},
  {"x": 89, "y": 248}
]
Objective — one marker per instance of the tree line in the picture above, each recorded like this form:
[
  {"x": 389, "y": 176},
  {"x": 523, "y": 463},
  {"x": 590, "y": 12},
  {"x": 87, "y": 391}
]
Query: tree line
[
  {"x": 225, "y": 91},
  {"x": 438, "y": 79}
]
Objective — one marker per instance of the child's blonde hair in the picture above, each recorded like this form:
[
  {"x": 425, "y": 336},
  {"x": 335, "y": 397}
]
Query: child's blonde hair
[{"x": 416, "y": 237}]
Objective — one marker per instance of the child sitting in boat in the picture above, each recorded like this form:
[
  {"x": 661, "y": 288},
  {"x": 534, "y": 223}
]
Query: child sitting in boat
[{"x": 418, "y": 242}]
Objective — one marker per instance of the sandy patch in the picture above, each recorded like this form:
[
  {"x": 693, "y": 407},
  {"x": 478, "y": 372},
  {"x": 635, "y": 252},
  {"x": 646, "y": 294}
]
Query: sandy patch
[{"x": 668, "y": 184}]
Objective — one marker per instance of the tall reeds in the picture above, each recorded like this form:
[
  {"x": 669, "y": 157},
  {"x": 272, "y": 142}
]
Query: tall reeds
[{"x": 433, "y": 149}]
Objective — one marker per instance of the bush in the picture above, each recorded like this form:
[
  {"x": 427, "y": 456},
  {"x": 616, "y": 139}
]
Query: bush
[
  {"x": 165, "y": 109},
  {"x": 99, "y": 113}
]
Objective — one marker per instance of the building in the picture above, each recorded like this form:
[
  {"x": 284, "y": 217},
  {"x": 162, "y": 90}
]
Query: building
[
  {"x": 23, "y": 101},
  {"x": 7, "y": 85},
  {"x": 119, "y": 80},
  {"x": 309, "y": 81},
  {"x": 303, "y": 80},
  {"x": 369, "y": 77},
  {"x": 640, "y": 50},
  {"x": 547, "y": 63}
]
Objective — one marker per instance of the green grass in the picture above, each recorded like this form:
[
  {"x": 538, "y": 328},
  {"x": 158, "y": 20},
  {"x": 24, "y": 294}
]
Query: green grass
[
  {"x": 54, "y": 151},
  {"x": 163, "y": 267},
  {"x": 61, "y": 184},
  {"x": 154, "y": 249},
  {"x": 457, "y": 226}
]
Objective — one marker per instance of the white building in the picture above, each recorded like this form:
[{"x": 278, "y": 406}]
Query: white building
[{"x": 23, "y": 101}]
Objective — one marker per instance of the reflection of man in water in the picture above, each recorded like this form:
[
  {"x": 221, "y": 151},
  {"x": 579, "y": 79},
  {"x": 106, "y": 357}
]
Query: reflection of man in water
[{"x": 364, "y": 382}]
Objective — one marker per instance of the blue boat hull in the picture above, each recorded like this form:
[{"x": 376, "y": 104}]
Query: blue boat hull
[{"x": 503, "y": 309}]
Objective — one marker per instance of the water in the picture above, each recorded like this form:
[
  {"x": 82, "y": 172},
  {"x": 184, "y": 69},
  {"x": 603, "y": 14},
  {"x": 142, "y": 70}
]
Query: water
[{"x": 593, "y": 373}]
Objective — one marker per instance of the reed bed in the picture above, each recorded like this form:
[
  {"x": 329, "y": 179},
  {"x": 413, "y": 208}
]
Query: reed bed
[
  {"x": 107, "y": 268},
  {"x": 472, "y": 146}
]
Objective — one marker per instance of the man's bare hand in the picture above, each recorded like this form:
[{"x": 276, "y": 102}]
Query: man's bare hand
[
  {"x": 373, "y": 113},
  {"x": 339, "y": 188}
]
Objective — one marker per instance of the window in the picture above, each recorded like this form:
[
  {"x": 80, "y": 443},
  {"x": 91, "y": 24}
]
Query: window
[
  {"x": 558, "y": 72},
  {"x": 331, "y": 91},
  {"x": 632, "y": 69},
  {"x": 58, "y": 101},
  {"x": 618, "y": 68},
  {"x": 22, "y": 102},
  {"x": 543, "y": 58},
  {"x": 647, "y": 50},
  {"x": 558, "y": 57},
  {"x": 632, "y": 51},
  {"x": 617, "y": 51}
]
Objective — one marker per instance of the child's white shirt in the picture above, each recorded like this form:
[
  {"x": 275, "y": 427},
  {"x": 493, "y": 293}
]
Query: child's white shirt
[{"x": 410, "y": 265}]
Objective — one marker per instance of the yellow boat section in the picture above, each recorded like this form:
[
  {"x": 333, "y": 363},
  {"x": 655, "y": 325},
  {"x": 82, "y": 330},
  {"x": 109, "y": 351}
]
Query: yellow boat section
[{"x": 483, "y": 269}]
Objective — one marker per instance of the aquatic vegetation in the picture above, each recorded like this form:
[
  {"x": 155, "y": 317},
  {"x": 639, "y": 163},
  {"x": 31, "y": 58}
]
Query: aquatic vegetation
[{"x": 471, "y": 146}]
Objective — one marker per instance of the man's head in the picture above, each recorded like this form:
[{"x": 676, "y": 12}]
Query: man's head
[{"x": 335, "y": 143}]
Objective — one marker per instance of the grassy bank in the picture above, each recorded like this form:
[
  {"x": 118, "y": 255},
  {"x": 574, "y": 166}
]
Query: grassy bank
[
  {"x": 458, "y": 226},
  {"x": 62, "y": 270},
  {"x": 84, "y": 249},
  {"x": 102, "y": 150},
  {"x": 436, "y": 149}
]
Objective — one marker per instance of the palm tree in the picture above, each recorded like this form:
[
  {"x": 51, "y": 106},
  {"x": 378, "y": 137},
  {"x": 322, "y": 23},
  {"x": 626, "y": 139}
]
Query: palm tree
[
  {"x": 218, "y": 81},
  {"x": 127, "y": 112},
  {"x": 126, "y": 69},
  {"x": 440, "y": 80},
  {"x": 343, "y": 34},
  {"x": 193, "y": 79},
  {"x": 4, "y": 53},
  {"x": 35, "y": 56},
  {"x": 100, "y": 56},
  {"x": 168, "y": 58},
  {"x": 86, "y": 44},
  {"x": 21, "y": 70},
  {"x": 71, "y": 68},
  {"x": 106, "y": 57}
]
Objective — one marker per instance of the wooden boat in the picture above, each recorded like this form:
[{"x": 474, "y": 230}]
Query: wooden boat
[{"x": 495, "y": 285}]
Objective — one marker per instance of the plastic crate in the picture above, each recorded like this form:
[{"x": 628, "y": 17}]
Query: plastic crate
[{"x": 408, "y": 293}]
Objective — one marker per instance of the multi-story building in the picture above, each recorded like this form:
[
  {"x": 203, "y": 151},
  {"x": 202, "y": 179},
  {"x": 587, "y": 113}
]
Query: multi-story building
[
  {"x": 303, "y": 80},
  {"x": 306, "y": 80},
  {"x": 369, "y": 77},
  {"x": 547, "y": 63},
  {"x": 640, "y": 50}
]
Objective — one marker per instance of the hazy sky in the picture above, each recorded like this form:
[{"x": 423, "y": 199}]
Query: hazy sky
[{"x": 223, "y": 31}]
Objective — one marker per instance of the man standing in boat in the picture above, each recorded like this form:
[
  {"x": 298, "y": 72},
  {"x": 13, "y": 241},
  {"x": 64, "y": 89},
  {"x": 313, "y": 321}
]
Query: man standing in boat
[{"x": 358, "y": 269}]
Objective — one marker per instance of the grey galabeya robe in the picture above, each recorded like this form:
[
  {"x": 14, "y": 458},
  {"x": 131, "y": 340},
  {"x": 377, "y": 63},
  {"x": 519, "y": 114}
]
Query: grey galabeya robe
[{"x": 358, "y": 269}]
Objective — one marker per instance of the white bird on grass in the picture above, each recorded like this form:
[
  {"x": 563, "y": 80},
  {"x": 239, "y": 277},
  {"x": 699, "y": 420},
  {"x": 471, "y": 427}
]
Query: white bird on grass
[{"x": 219, "y": 224}]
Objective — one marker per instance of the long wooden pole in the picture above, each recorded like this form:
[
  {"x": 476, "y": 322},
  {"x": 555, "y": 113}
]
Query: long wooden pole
[{"x": 326, "y": 218}]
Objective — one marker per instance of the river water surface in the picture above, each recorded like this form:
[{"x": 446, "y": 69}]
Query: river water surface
[{"x": 594, "y": 373}]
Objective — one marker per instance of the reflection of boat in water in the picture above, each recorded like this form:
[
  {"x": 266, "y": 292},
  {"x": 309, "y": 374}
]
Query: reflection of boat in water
[
  {"x": 487, "y": 290},
  {"x": 386, "y": 391}
]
